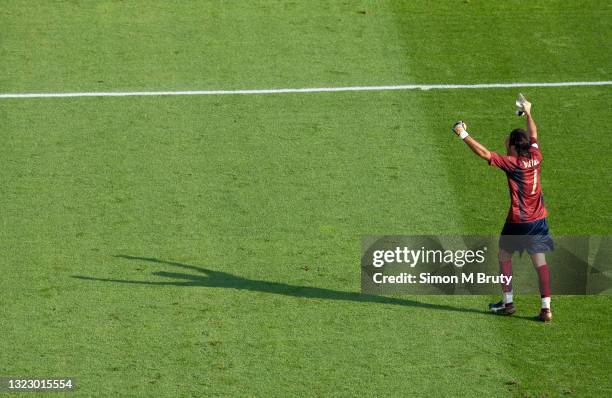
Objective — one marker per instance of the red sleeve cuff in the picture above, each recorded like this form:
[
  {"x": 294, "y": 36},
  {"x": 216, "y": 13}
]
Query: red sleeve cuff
[{"x": 494, "y": 156}]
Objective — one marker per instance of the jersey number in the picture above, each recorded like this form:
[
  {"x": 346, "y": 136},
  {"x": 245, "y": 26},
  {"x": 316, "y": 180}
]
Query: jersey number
[{"x": 535, "y": 181}]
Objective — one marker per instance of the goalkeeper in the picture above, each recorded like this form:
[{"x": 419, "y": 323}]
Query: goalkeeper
[{"x": 525, "y": 227}]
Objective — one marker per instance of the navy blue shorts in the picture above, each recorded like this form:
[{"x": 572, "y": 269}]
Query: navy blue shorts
[{"x": 531, "y": 236}]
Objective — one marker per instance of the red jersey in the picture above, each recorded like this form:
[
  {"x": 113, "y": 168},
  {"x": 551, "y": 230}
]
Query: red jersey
[{"x": 526, "y": 200}]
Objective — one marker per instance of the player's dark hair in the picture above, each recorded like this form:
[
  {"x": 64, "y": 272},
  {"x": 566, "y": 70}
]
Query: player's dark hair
[{"x": 521, "y": 142}]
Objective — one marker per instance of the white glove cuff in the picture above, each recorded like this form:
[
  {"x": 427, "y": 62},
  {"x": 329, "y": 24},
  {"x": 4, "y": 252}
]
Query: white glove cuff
[{"x": 463, "y": 134}]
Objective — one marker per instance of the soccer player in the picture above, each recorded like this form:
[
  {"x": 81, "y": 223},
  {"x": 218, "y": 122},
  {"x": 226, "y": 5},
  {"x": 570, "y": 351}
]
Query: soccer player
[{"x": 525, "y": 227}]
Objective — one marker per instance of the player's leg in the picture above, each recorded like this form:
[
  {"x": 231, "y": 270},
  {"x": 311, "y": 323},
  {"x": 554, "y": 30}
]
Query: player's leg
[
  {"x": 506, "y": 305},
  {"x": 505, "y": 268},
  {"x": 539, "y": 263}
]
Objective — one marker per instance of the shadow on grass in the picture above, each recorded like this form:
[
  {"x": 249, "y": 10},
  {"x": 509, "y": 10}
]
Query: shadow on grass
[{"x": 209, "y": 278}]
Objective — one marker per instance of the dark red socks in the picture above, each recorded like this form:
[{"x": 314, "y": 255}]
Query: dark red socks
[
  {"x": 506, "y": 270},
  {"x": 544, "y": 279}
]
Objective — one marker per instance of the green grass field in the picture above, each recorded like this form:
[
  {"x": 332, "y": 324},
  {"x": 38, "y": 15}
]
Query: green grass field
[{"x": 209, "y": 245}]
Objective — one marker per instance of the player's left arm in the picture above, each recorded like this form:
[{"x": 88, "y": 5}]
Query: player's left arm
[
  {"x": 461, "y": 130},
  {"x": 531, "y": 126}
]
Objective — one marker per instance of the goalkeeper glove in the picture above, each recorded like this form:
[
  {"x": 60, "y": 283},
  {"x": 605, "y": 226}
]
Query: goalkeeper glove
[{"x": 460, "y": 128}]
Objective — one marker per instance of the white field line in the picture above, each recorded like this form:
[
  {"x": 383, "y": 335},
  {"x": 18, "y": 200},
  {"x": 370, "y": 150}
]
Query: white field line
[{"x": 303, "y": 90}]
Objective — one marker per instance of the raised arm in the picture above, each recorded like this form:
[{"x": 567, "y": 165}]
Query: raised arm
[
  {"x": 531, "y": 126},
  {"x": 461, "y": 130}
]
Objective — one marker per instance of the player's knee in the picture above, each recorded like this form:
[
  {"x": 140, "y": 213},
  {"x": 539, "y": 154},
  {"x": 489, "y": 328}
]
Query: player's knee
[
  {"x": 504, "y": 255},
  {"x": 538, "y": 259}
]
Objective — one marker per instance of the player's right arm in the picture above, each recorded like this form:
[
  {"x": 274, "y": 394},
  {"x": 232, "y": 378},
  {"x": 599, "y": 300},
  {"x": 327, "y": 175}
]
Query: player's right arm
[
  {"x": 460, "y": 129},
  {"x": 506, "y": 163},
  {"x": 532, "y": 130}
]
